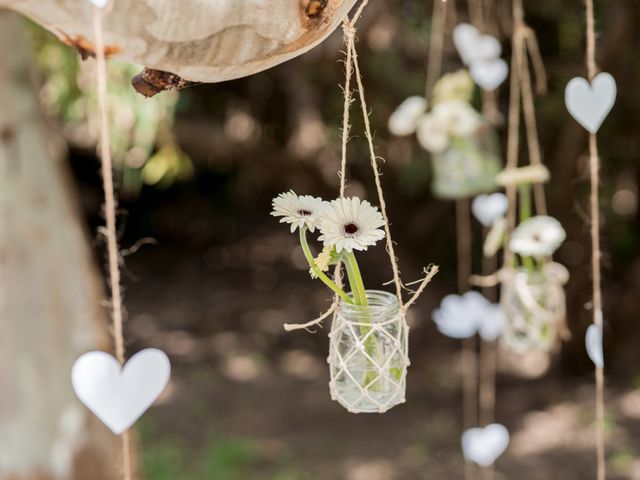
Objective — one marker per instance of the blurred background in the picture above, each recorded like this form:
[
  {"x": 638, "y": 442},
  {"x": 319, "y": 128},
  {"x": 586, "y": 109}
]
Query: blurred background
[{"x": 210, "y": 277}]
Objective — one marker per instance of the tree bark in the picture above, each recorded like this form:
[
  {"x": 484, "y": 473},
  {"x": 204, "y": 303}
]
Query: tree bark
[
  {"x": 198, "y": 40},
  {"x": 50, "y": 297}
]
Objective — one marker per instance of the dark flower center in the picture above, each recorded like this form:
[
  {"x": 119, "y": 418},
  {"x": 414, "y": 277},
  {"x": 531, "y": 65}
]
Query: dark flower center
[
  {"x": 350, "y": 229},
  {"x": 304, "y": 213}
]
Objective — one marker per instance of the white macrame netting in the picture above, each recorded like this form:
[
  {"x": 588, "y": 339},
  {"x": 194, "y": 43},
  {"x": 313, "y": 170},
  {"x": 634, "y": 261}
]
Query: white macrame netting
[
  {"x": 535, "y": 308},
  {"x": 368, "y": 360}
]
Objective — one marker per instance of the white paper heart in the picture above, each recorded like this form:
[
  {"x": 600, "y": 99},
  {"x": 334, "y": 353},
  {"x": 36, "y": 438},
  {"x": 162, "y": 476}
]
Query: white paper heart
[
  {"x": 489, "y": 74},
  {"x": 462, "y": 316},
  {"x": 593, "y": 341},
  {"x": 456, "y": 317},
  {"x": 472, "y": 45},
  {"x": 590, "y": 104},
  {"x": 484, "y": 445},
  {"x": 492, "y": 322},
  {"x": 489, "y": 208},
  {"x": 99, "y": 3},
  {"x": 117, "y": 395}
]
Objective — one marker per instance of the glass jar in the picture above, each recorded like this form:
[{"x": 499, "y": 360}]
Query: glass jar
[
  {"x": 468, "y": 166},
  {"x": 535, "y": 307},
  {"x": 368, "y": 354}
]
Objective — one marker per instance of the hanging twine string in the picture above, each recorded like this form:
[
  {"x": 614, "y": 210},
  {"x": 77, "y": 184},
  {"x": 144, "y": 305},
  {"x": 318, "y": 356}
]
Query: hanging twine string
[
  {"x": 110, "y": 216},
  {"x": 352, "y": 66},
  {"x": 594, "y": 163},
  {"x": 488, "y": 355},
  {"x": 463, "y": 238},
  {"x": 524, "y": 41},
  {"x": 436, "y": 46},
  {"x": 528, "y": 103},
  {"x": 469, "y": 353},
  {"x": 486, "y": 386},
  {"x": 513, "y": 130},
  {"x": 350, "y": 36},
  {"x": 478, "y": 18}
]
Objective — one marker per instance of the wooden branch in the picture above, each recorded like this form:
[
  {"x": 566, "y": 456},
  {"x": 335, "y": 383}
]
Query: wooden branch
[{"x": 195, "y": 40}]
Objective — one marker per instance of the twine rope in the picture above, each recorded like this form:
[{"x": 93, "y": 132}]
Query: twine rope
[
  {"x": 113, "y": 255},
  {"x": 352, "y": 66},
  {"x": 436, "y": 46},
  {"x": 350, "y": 37},
  {"x": 531, "y": 127},
  {"x": 463, "y": 239},
  {"x": 596, "y": 254}
]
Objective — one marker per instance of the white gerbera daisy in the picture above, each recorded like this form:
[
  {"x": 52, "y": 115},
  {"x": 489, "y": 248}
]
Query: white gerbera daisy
[
  {"x": 537, "y": 237},
  {"x": 298, "y": 210},
  {"x": 432, "y": 134},
  {"x": 350, "y": 224},
  {"x": 404, "y": 120}
]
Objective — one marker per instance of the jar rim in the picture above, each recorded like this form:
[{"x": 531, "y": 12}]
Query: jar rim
[{"x": 380, "y": 303}]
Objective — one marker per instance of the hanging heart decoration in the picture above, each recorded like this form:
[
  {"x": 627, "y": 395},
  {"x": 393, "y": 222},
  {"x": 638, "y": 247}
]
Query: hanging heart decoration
[
  {"x": 481, "y": 52},
  {"x": 489, "y": 208},
  {"x": 589, "y": 104},
  {"x": 472, "y": 45},
  {"x": 462, "y": 316},
  {"x": 484, "y": 445},
  {"x": 117, "y": 395},
  {"x": 489, "y": 74},
  {"x": 593, "y": 342}
]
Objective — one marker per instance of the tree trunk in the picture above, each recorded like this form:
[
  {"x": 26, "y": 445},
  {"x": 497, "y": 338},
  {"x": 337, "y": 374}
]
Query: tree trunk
[{"x": 50, "y": 297}]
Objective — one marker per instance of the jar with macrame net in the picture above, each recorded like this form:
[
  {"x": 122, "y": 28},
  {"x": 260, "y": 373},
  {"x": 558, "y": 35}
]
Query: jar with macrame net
[
  {"x": 468, "y": 166},
  {"x": 535, "y": 307},
  {"x": 368, "y": 354}
]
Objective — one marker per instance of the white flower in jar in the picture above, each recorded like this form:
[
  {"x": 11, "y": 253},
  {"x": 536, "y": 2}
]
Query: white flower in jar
[
  {"x": 460, "y": 118},
  {"x": 538, "y": 236},
  {"x": 432, "y": 134},
  {"x": 404, "y": 120}
]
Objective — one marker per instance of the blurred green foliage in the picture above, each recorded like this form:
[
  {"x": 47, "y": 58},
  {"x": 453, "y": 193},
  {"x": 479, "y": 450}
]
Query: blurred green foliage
[
  {"x": 142, "y": 141},
  {"x": 220, "y": 459}
]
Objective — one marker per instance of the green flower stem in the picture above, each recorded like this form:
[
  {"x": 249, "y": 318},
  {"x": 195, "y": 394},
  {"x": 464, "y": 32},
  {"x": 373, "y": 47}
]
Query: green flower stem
[
  {"x": 355, "y": 279},
  {"x": 360, "y": 296},
  {"x": 320, "y": 274},
  {"x": 524, "y": 190}
]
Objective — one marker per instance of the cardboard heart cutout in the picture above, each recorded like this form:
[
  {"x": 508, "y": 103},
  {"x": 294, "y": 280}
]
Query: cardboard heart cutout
[
  {"x": 593, "y": 342},
  {"x": 472, "y": 45},
  {"x": 117, "y": 395},
  {"x": 489, "y": 208},
  {"x": 589, "y": 104},
  {"x": 489, "y": 74},
  {"x": 484, "y": 445}
]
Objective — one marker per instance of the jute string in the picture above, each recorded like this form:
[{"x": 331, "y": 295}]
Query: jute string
[
  {"x": 463, "y": 240},
  {"x": 113, "y": 255},
  {"x": 513, "y": 130},
  {"x": 478, "y": 17},
  {"x": 487, "y": 358},
  {"x": 523, "y": 41},
  {"x": 436, "y": 46},
  {"x": 528, "y": 103},
  {"x": 469, "y": 345},
  {"x": 594, "y": 164},
  {"x": 352, "y": 67},
  {"x": 374, "y": 166}
]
